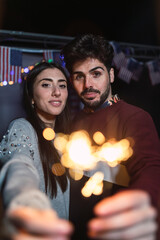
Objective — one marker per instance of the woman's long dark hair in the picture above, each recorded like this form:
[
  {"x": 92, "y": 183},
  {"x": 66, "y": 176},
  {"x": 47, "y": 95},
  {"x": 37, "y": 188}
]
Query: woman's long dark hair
[{"x": 48, "y": 153}]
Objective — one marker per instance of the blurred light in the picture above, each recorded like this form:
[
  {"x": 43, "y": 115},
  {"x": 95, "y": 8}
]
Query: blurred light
[
  {"x": 19, "y": 80},
  {"x": 60, "y": 142},
  {"x": 58, "y": 169},
  {"x": 94, "y": 185},
  {"x": 12, "y": 72},
  {"x": 76, "y": 174},
  {"x": 48, "y": 134},
  {"x": 4, "y": 83},
  {"x": 31, "y": 67},
  {"x": 99, "y": 138},
  {"x": 79, "y": 150},
  {"x": 26, "y": 70},
  {"x": 10, "y": 82},
  {"x": 114, "y": 152}
]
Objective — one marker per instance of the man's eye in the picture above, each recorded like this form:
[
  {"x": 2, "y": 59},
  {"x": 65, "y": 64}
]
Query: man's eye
[
  {"x": 79, "y": 77},
  {"x": 96, "y": 74}
]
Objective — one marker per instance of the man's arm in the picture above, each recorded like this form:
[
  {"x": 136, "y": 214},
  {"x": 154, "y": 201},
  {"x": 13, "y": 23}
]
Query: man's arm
[{"x": 126, "y": 215}]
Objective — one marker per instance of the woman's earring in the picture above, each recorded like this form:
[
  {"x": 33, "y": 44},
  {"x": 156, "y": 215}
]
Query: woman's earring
[{"x": 32, "y": 104}]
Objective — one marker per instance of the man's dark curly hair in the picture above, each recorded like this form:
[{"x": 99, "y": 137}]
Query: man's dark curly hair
[{"x": 87, "y": 46}]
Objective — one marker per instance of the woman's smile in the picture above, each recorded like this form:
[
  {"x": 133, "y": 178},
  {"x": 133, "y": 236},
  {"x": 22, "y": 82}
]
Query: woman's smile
[{"x": 55, "y": 103}]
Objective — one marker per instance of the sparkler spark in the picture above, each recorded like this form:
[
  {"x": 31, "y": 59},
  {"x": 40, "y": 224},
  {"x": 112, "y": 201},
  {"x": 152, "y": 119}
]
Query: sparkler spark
[
  {"x": 94, "y": 185},
  {"x": 78, "y": 154},
  {"x": 114, "y": 152}
]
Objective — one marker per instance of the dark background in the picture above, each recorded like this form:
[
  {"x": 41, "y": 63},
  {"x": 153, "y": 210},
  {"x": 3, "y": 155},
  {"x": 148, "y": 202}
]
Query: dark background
[{"x": 135, "y": 21}]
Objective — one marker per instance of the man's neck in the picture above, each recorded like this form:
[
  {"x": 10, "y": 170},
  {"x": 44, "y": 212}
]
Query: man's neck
[{"x": 111, "y": 101}]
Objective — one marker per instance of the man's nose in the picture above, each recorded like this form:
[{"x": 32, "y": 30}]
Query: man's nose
[{"x": 88, "y": 82}]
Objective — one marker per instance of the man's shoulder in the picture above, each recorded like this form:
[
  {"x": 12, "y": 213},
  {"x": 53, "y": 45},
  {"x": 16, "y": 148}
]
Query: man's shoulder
[
  {"x": 120, "y": 110},
  {"x": 130, "y": 108}
]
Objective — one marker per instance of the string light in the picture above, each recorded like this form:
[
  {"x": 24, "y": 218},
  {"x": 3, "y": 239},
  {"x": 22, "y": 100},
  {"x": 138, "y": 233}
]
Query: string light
[
  {"x": 4, "y": 83},
  {"x": 24, "y": 71},
  {"x": 50, "y": 60},
  {"x": 10, "y": 82}
]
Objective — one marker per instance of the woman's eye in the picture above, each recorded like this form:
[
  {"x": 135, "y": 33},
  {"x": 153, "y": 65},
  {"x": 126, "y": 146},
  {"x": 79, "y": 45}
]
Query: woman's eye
[
  {"x": 62, "y": 86},
  {"x": 45, "y": 85}
]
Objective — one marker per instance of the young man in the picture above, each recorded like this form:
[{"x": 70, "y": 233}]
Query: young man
[{"x": 128, "y": 214}]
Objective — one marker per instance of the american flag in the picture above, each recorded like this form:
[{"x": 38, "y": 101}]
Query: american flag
[
  {"x": 57, "y": 58},
  {"x": 125, "y": 74},
  {"x": 10, "y": 65},
  {"x": 136, "y": 68},
  {"x": 48, "y": 55},
  {"x": 154, "y": 71}
]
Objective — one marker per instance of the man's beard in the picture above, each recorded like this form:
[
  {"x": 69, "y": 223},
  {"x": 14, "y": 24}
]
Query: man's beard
[{"x": 95, "y": 104}]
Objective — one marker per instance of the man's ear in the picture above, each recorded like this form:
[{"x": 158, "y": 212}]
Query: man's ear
[{"x": 111, "y": 75}]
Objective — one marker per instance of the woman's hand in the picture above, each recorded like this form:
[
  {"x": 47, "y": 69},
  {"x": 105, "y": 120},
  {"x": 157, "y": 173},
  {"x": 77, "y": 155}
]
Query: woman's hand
[
  {"x": 126, "y": 215},
  {"x": 34, "y": 224}
]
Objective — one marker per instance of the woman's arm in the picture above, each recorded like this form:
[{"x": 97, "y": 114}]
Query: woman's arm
[{"x": 19, "y": 178}]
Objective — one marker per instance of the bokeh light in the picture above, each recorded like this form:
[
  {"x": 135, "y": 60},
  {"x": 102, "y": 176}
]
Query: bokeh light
[
  {"x": 94, "y": 185},
  {"x": 58, "y": 169},
  {"x": 99, "y": 138},
  {"x": 48, "y": 134}
]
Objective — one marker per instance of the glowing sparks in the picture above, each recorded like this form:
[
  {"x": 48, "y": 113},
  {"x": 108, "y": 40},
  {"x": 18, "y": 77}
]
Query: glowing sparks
[
  {"x": 76, "y": 174},
  {"x": 99, "y": 138},
  {"x": 60, "y": 142},
  {"x": 94, "y": 185},
  {"x": 76, "y": 150},
  {"x": 48, "y": 134},
  {"x": 114, "y": 152},
  {"x": 78, "y": 154},
  {"x": 79, "y": 150}
]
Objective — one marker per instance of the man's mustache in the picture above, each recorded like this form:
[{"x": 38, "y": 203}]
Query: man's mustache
[{"x": 87, "y": 90}]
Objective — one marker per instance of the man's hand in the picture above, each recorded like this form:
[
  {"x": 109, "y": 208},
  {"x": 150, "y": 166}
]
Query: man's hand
[
  {"x": 126, "y": 215},
  {"x": 33, "y": 224}
]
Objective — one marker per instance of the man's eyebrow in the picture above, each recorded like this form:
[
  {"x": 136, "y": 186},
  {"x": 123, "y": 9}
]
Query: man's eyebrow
[
  {"x": 77, "y": 72},
  {"x": 91, "y": 70}
]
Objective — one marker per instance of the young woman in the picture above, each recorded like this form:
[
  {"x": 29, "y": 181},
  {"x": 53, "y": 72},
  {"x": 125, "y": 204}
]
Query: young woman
[{"x": 29, "y": 174}]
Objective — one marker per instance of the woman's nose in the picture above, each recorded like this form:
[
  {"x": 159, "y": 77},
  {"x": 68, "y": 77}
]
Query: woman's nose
[{"x": 56, "y": 91}]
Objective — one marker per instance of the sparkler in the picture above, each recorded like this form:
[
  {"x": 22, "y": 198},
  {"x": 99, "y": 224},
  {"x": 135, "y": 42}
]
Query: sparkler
[{"x": 78, "y": 154}]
